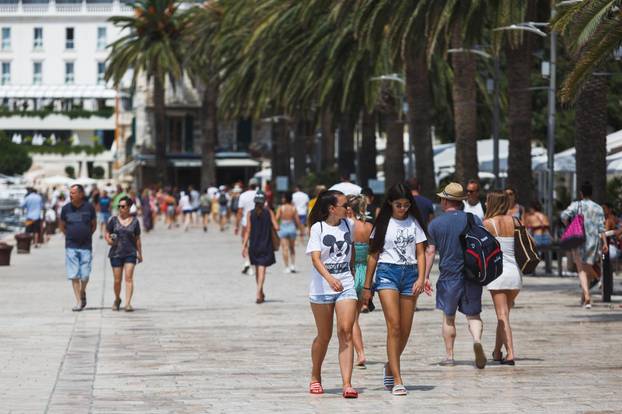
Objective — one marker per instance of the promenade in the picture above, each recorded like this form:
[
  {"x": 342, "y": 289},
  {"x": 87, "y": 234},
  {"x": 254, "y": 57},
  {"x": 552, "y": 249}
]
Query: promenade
[{"x": 197, "y": 343}]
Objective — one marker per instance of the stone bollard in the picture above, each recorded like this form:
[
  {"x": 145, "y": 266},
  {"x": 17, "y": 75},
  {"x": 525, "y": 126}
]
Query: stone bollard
[
  {"x": 5, "y": 254},
  {"x": 23, "y": 242}
]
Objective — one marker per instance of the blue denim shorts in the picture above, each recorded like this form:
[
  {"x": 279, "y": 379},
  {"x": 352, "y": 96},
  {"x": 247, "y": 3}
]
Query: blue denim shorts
[
  {"x": 334, "y": 298},
  {"x": 120, "y": 261},
  {"x": 78, "y": 263},
  {"x": 458, "y": 294},
  {"x": 396, "y": 277}
]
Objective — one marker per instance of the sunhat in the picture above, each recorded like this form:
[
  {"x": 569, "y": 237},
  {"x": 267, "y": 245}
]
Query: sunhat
[{"x": 453, "y": 191}]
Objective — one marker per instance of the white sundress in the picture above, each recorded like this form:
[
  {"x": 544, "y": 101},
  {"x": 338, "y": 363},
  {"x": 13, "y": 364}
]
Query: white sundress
[{"x": 511, "y": 278}]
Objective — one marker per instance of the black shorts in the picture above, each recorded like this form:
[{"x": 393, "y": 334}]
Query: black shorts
[{"x": 34, "y": 227}]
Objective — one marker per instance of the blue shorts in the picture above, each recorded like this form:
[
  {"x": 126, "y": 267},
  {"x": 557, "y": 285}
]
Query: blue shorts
[
  {"x": 542, "y": 240},
  {"x": 222, "y": 210},
  {"x": 288, "y": 230},
  {"x": 103, "y": 216},
  {"x": 303, "y": 219},
  {"x": 78, "y": 263},
  {"x": 334, "y": 298},
  {"x": 458, "y": 294},
  {"x": 120, "y": 261},
  {"x": 396, "y": 277}
]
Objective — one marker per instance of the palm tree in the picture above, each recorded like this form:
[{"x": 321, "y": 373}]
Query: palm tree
[
  {"x": 203, "y": 27},
  {"x": 592, "y": 31},
  {"x": 151, "y": 46}
]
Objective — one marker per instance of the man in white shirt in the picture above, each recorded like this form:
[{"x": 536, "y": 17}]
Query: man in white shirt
[
  {"x": 301, "y": 202},
  {"x": 472, "y": 204},
  {"x": 246, "y": 202}
]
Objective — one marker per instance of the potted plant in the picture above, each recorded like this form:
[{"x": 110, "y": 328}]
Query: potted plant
[
  {"x": 23, "y": 242},
  {"x": 5, "y": 254}
]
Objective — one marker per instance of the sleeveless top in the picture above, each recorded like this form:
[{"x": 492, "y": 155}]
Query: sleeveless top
[
  {"x": 360, "y": 265},
  {"x": 511, "y": 278}
]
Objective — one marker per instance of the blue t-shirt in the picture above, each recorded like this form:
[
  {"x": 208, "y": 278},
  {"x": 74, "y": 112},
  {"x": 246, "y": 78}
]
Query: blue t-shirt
[
  {"x": 33, "y": 203},
  {"x": 104, "y": 204},
  {"x": 444, "y": 233},
  {"x": 78, "y": 233},
  {"x": 425, "y": 206}
]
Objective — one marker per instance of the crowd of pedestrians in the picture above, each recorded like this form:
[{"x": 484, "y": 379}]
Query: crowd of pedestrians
[{"x": 361, "y": 246}]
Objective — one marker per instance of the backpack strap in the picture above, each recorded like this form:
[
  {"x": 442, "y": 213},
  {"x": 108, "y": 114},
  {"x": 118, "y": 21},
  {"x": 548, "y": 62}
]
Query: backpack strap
[{"x": 347, "y": 225}]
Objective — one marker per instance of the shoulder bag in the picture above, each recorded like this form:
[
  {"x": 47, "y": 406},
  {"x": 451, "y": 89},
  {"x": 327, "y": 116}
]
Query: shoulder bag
[
  {"x": 574, "y": 235},
  {"x": 525, "y": 250}
]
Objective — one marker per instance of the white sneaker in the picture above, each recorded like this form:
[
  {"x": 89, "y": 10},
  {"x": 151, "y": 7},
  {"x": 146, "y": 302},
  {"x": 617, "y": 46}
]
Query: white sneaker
[
  {"x": 292, "y": 269},
  {"x": 287, "y": 270}
]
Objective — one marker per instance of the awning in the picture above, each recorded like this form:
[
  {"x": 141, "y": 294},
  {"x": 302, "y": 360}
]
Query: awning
[
  {"x": 223, "y": 163},
  {"x": 57, "y": 91}
]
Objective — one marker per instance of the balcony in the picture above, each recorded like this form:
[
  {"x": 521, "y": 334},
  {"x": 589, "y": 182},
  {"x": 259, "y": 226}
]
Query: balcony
[{"x": 63, "y": 7}]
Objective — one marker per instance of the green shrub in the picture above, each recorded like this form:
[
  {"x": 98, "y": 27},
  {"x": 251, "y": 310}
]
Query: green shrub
[
  {"x": 14, "y": 158},
  {"x": 70, "y": 171},
  {"x": 98, "y": 172}
]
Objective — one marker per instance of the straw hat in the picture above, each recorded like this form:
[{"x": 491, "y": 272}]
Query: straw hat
[{"x": 453, "y": 191}]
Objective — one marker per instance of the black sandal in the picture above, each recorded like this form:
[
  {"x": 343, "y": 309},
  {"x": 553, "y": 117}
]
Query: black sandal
[
  {"x": 495, "y": 359},
  {"x": 508, "y": 362}
]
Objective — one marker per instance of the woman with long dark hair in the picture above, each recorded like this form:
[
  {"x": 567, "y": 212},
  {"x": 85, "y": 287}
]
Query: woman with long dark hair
[
  {"x": 257, "y": 245},
  {"x": 397, "y": 256},
  {"x": 332, "y": 286}
]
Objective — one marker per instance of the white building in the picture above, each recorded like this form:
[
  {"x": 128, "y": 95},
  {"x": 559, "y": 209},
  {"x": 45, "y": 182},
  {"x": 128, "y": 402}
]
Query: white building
[{"x": 52, "y": 63}]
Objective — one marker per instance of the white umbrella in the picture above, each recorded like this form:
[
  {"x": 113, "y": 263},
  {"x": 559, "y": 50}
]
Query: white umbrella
[
  {"x": 85, "y": 181},
  {"x": 57, "y": 180}
]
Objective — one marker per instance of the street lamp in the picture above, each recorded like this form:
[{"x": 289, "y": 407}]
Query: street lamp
[
  {"x": 532, "y": 27},
  {"x": 397, "y": 78}
]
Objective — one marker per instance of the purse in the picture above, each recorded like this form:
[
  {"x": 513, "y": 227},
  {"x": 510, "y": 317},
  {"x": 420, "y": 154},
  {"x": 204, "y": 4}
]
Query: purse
[
  {"x": 525, "y": 250},
  {"x": 574, "y": 235},
  {"x": 276, "y": 240}
]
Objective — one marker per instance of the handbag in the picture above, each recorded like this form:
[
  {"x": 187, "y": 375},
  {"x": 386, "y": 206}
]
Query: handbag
[
  {"x": 574, "y": 235},
  {"x": 276, "y": 240},
  {"x": 525, "y": 249}
]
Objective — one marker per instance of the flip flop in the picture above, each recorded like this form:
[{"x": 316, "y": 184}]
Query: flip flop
[
  {"x": 447, "y": 362},
  {"x": 388, "y": 380},
  {"x": 316, "y": 388},
  {"x": 480, "y": 357},
  {"x": 350, "y": 392},
  {"x": 399, "y": 390},
  {"x": 361, "y": 365}
]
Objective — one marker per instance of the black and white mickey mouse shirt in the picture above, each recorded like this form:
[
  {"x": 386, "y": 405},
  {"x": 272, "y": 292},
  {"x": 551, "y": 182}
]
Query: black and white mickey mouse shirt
[{"x": 335, "y": 246}]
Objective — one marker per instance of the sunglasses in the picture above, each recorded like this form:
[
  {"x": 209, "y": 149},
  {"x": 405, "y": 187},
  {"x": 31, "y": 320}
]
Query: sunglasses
[{"x": 122, "y": 205}]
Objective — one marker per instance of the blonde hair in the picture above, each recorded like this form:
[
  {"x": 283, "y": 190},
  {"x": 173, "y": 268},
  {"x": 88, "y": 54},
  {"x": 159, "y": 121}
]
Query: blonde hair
[
  {"x": 358, "y": 204},
  {"x": 497, "y": 204}
]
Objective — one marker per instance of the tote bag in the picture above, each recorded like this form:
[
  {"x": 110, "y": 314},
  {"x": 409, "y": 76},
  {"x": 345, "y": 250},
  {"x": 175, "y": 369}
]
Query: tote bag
[
  {"x": 525, "y": 250},
  {"x": 574, "y": 235}
]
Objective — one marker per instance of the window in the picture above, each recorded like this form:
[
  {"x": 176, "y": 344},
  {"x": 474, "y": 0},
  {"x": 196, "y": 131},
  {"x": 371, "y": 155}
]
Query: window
[
  {"x": 6, "y": 38},
  {"x": 38, "y": 38},
  {"x": 6, "y": 73},
  {"x": 69, "y": 72},
  {"x": 101, "y": 70},
  {"x": 37, "y": 70},
  {"x": 101, "y": 38},
  {"x": 69, "y": 42}
]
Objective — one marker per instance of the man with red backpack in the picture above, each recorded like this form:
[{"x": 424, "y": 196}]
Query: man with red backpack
[{"x": 453, "y": 291}]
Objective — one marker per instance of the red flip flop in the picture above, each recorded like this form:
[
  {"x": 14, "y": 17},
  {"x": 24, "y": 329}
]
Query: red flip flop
[
  {"x": 350, "y": 392},
  {"x": 316, "y": 388}
]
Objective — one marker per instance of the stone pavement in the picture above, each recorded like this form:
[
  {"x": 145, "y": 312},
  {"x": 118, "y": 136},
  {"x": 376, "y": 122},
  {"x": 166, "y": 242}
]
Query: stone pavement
[{"x": 198, "y": 343}]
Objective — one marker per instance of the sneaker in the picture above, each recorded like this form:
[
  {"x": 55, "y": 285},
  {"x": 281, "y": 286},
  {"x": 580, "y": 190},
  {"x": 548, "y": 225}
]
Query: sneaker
[
  {"x": 287, "y": 270},
  {"x": 292, "y": 269},
  {"x": 480, "y": 358},
  {"x": 246, "y": 269}
]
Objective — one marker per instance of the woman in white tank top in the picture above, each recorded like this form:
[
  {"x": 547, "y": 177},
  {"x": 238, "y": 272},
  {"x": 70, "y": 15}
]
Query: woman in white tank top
[{"x": 506, "y": 287}]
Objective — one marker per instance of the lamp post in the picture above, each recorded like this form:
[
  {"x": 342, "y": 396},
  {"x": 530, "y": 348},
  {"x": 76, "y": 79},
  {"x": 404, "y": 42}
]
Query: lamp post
[{"x": 411, "y": 151}]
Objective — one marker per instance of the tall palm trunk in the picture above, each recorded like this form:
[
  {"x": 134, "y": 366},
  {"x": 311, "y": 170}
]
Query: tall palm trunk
[
  {"x": 300, "y": 149},
  {"x": 280, "y": 151},
  {"x": 159, "y": 113},
  {"x": 419, "y": 119},
  {"x": 367, "y": 153},
  {"x": 209, "y": 127},
  {"x": 519, "y": 119},
  {"x": 328, "y": 140},
  {"x": 591, "y": 135},
  {"x": 465, "y": 109},
  {"x": 347, "y": 123},
  {"x": 394, "y": 150}
]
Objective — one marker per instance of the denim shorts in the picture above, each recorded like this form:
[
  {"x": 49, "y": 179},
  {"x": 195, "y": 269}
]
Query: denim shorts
[
  {"x": 334, "y": 298},
  {"x": 458, "y": 294},
  {"x": 396, "y": 277},
  {"x": 288, "y": 230},
  {"x": 542, "y": 240},
  {"x": 78, "y": 263},
  {"x": 120, "y": 261},
  {"x": 103, "y": 216}
]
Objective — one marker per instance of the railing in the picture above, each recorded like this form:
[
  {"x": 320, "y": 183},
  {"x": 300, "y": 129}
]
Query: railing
[{"x": 41, "y": 7}]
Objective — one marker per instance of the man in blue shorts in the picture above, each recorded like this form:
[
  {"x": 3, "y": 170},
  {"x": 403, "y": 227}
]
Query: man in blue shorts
[
  {"x": 453, "y": 292},
  {"x": 78, "y": 222}
]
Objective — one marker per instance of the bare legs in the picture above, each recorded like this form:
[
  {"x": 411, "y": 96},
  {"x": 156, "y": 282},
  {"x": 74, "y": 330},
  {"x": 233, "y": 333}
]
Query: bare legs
[
  {"x": 449, "y": 331},
  {"x": 323, "y": 314},
  {"x": 260, "y": 278},
  {"x": 205, "y": 221},
  {"x": 79, "y": 289},
  {"x": 399, "y": 312},
  {"x": 128, "y": 269},
  {"x": 504, "y": 300},
  {"x": 586, "y": 274},
  {"x": 285, "y": 253},
  {"x": 291, "y": 243},
  {"x": 357, "y": 339}
]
